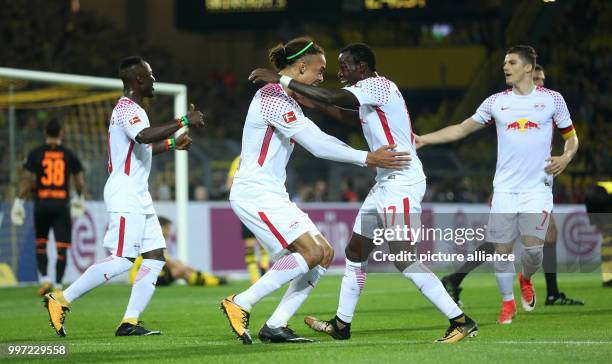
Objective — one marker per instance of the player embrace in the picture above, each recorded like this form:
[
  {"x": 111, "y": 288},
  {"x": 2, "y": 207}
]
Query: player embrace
[
  {"x": 274, "y": 123},
  {"x": 522, "y": 199},
  {"x": 377, "y": 104}
]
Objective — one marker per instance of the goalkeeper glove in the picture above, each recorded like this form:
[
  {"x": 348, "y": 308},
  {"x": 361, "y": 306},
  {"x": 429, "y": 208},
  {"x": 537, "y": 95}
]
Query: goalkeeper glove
[
  {"x": 18, "y": 212},
  {"x": 77, "y": 206}
]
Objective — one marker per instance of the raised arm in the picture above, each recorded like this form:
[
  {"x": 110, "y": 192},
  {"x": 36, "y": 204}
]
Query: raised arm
[
  {"x": 154, "y": 134},
  {"x": 325, "y": 146},
  {"x": 182, "y": 142},
  {"x": 450, "y": 133},
  {"x": 338, "y": 97},
  {"x": 348, "y": 116}
]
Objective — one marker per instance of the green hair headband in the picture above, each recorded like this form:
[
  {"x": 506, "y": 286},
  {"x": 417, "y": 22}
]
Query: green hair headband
[{"x": 300, "y": 52}]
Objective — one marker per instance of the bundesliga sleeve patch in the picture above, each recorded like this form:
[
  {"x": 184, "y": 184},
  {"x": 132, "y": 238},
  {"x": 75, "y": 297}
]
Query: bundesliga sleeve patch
[
  {"x": 289, "y": 117},
  {"x": 134, "y": 120}
]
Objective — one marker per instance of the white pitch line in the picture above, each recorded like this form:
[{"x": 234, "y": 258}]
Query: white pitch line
[
  {"x": 544, "y": 342},
  {"x": 368, "y": 342}
]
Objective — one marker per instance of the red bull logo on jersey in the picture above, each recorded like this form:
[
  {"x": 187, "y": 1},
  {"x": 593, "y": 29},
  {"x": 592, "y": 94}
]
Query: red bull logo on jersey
[{"x": 522, "y": 125}]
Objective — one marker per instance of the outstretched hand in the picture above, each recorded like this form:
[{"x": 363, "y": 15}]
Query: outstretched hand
[
  {"x": 182, "y": 142},
  {"x": 195, "y": 117},
  {"x": 264, "y": 75},
  {"x": 385, "y": 157}
]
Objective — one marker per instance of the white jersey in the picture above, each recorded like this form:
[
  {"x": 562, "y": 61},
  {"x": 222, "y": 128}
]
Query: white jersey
[
  {"x": 273, "y": 118},
  {"x": 524, "y": 136},
  {"x": 129, "y": 162},
  {"x": 385, "y": 120}
]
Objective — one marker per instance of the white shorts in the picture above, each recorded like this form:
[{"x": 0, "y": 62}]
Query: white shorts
[
  {"x": 519, "y": 214},
  {"x": 390, "y": 204},
  {"x": 276, "y": 223},
  {"x": 130, "y": 235}
]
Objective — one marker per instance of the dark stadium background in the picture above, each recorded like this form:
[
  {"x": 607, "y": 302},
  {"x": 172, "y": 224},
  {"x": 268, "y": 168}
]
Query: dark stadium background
[{"x": 445, "y": 57}]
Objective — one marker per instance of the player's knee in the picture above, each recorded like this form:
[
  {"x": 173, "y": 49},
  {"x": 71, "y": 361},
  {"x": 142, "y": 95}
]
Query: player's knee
[
  {"x": 354, "y": 251},
  {"x": 533, "y": 254},
  {"x": 402, "y": 265},
  {"x": 61, "y": 254},
  {"x": 313, "y": 255},
  {"x": 328, "y": 256},
  {"x": 504, "y": 248}
]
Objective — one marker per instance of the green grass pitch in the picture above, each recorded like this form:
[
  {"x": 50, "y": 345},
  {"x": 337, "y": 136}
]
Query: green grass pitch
[{"x": 393, "y": 323}]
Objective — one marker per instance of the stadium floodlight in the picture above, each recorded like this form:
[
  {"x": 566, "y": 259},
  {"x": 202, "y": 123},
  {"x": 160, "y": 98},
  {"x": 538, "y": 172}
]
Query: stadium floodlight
[{"x": 178, "y": 91}]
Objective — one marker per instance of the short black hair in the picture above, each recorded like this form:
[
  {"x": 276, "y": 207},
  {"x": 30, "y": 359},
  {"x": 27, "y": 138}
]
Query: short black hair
[
  {"x": 53, "y": 128},
  {"x": 127, "y": 63},
  {"x": 361, "y": 52},
  {"x": 538, "y": 67},
  {"x": 283, "y": 55},
  {"x": 527, "y": 53}
]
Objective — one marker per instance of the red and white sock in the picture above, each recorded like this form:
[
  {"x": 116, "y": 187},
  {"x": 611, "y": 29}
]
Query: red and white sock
[
  {"x": 350, "y": 290},
  {"x": 143, "y": 287},
  {"x": 296, "y": 294},
  {"x": 431, "y": 287},
  {"x": 96, "y": 275},
  {"x": 284, "y": 270}
]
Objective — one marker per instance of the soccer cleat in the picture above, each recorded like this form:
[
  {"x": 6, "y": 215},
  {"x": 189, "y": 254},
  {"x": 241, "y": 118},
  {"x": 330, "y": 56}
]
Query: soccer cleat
[
  {"x": 528, "y": 296},
  {"x": 453, "y": 290},
  {"x": 508, "y": 311},
  {"x": 57, "y": 314},
  {"x": 562, "y": 300},
  {"x": 238, "y": 319},
  {"x": 330, "y": 327},
  {"x": 458, "y": 331},
  {"x": 280, "y": 335},
  {"x": 128, "y": 329},
  {"x": 44, "y": 288}
]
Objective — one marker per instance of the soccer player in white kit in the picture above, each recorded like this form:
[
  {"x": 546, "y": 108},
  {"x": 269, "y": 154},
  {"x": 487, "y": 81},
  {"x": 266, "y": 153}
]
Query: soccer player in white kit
[
  {"x": 396, "y": 197},
  {"x": 522, "y": 198},
  {"x": 133, "y": 227},
  {"x": 274, "y": 123}
]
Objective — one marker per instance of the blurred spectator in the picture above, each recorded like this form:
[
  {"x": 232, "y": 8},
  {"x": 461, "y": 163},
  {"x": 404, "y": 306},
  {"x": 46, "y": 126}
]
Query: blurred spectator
[{"x": 200, "y": 193}]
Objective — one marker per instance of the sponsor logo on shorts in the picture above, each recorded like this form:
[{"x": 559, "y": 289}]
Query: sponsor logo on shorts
[{"x": 294, "y": 225}]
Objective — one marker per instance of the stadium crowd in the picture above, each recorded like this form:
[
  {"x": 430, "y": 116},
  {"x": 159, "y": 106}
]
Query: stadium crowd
[{"x": 584, "y": 80}]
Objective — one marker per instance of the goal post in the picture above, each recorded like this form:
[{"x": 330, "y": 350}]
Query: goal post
[{"x": 178, "y": 91}]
